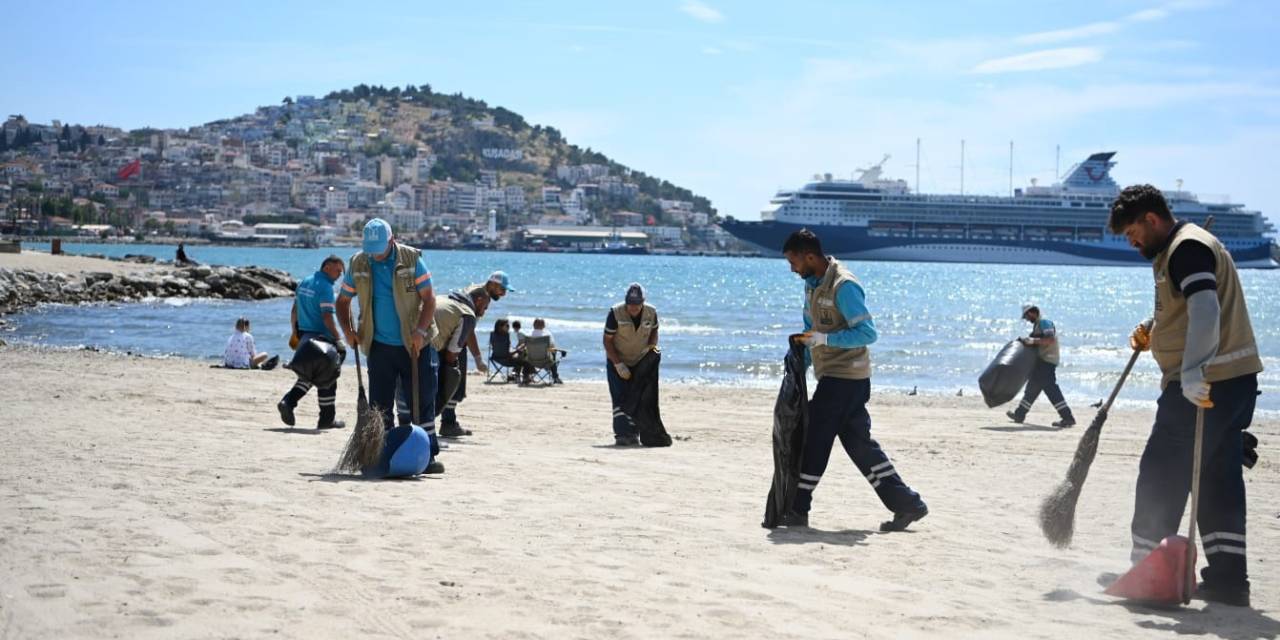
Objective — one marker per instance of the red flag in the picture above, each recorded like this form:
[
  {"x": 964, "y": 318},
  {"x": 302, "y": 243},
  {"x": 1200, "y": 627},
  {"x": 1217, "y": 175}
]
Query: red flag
[{"x": 131, "y": 169}]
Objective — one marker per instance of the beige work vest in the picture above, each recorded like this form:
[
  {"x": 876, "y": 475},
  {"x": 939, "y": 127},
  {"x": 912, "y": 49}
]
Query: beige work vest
[
  {"x": 449, "y": 315},
  {"x": 408, "y": 304},
  {"x": 825, "y": 317},
  {"x": 631, "y": 342},
  {"x": 1237, "y": 350}
]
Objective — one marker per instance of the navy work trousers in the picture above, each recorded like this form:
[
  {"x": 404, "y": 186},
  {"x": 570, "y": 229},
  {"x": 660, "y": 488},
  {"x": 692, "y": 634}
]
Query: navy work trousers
[
  {"x": 1164, "y": 477},
  {"x": 839, "y": 409}
]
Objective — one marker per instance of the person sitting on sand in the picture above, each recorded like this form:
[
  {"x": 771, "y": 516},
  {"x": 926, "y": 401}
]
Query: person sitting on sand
[{"x": 241, "y": 352}]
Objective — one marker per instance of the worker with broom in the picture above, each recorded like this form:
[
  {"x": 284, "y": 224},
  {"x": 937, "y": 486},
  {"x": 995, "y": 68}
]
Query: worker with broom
[
  {"x": 1202, "y": 339},
  {"x": 396, "y": 325}
]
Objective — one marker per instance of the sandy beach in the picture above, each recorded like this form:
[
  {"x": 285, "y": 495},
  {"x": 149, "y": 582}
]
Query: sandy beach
[
  {"x": 161, "y": 498},
  {"x": 71, "y": 264}
]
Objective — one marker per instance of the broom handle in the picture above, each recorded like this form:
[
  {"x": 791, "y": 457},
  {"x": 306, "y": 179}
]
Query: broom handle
[
  {"x": 1195, "y": 507},
  {"x": 1120, "y": 383},
  {"x": 359, "y": 375},
  {"x": 413, "y": 362}
]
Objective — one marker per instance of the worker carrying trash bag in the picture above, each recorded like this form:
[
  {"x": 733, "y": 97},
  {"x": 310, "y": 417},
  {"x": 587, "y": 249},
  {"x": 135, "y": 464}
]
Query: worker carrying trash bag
[
  {"x": 1044, "y": 377},
  {"x": 838, "y": 328}
]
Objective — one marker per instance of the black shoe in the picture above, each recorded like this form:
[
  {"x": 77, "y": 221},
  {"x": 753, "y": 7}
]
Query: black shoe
[
  {"x": 1237, "y": 596},
  {"x": 1065, "y": 423},
  {"x": 332, "y": 424},
  {"x": 435, "y": 467},
  {"x": 271, "y": 363},
  {"x": 794, "y": 519},
  {"x": 1013, "y": 415},
  {"x": 286, "y": 413},
  {"x": 453, "y": 430},
  {"x": 901, "y": 520},
  {"x": 626, "y": 441},
  {"x": 557, "y": 381}
]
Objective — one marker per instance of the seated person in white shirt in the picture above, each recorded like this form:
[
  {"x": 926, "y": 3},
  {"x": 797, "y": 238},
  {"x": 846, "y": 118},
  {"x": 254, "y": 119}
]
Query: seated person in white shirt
[
  {"x": 241, "y": 352},
  {"x": 539, "y": 330}
]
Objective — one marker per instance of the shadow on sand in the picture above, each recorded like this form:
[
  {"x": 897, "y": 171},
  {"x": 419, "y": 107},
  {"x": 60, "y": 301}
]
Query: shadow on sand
[
  {"x": 349, "y": 477},
  {"x": 1224, "y": 621},
  {"x": 1023, "y": 427},
  {"x": 807, "y": 535}
]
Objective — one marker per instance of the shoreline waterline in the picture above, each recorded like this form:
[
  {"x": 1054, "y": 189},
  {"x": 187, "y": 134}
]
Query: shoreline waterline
[{"x": 723, "y": 321}]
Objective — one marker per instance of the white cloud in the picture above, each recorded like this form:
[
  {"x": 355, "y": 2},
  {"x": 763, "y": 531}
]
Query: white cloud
[
  {"x": 1041, "y": 60},
  {"x": 1109, "y": 27},
  {"x": 1148, "y": 15},
  {"x": 701, "y": 11},
  {"x": 1074, "y": 33},
  {"x": 712, "y": 51}
]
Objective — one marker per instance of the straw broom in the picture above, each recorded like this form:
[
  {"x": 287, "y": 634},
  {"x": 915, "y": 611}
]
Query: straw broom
[
  {"x": 1058, "y": 511},
  {"x": 364, "y": 447}
]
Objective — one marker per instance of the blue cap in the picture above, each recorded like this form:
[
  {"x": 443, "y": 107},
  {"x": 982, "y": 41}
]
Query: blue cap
[
  {"x": 501, "y": 278},
  {"x": 377, "y": 234}
]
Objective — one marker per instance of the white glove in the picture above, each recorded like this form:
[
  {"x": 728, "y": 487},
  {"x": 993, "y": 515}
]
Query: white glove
[
  {"x": 623, "y": 370},
  {"x": 1195, "y": 389},
  {"x": 814, "y": 339}
]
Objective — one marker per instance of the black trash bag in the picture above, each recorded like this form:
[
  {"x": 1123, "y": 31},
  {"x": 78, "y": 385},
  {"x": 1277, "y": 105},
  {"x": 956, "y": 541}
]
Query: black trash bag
[
  {"x": 318, "y": 361},
  {"x": 1007, "y": 373},
  {"x": 641, "y": 401},
  {"x": 1250, "y": 449},
  {"x": 790, "y": 420}
]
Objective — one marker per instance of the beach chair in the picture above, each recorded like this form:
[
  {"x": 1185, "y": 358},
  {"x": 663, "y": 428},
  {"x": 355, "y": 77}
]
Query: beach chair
[
  {"x": 540, "y": 357},
  {"x": 500, "y": 362}
]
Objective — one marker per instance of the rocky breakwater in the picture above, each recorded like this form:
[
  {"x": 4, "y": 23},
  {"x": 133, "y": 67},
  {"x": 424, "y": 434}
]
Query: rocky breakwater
[{"x": 24, "y": 288}]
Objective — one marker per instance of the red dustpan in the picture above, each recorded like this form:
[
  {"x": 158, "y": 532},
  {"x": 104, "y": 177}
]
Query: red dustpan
[
  {"x": 1161, "y": 577},
  {"x": 1168, "y": 574}
]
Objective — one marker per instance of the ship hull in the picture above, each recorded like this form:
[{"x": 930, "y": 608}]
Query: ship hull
[{"x": 854, "y": 243}]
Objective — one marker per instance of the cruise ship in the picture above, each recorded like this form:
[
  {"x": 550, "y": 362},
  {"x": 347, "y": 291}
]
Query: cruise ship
[{"x": 874, "y": 218}]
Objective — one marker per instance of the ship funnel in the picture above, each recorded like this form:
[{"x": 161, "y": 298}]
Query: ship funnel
[{"x": 1093, "y": 173}]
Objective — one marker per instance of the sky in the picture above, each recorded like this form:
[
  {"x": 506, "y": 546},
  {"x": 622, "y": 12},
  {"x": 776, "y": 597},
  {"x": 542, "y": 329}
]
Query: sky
[{"x": 733, "y": 100}]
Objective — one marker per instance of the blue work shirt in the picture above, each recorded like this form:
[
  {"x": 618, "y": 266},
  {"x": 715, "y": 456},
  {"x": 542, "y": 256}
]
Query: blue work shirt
[
  {"x": 852, "y": 303},
  {"x": 314, "y": 299},
  {"x": 386, "y": 319},
  {"x": 1046, "y": 329}
]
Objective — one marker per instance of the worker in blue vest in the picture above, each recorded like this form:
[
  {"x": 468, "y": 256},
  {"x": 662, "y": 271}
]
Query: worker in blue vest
[{"x": 313, "y": 316}]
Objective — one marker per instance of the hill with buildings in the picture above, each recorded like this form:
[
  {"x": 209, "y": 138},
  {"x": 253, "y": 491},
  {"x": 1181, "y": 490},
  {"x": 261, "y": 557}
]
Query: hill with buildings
[{"x": 443, "y": 167}]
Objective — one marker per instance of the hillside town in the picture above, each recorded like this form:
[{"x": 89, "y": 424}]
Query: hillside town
[{"x": 446, "y": 171}]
